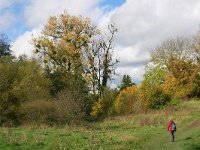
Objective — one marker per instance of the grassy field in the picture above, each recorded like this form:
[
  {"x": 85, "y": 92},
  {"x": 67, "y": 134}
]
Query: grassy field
[{"x": 144, "y": 131}]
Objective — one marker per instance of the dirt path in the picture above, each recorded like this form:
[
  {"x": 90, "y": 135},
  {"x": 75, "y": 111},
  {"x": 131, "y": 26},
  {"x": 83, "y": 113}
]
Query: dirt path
[
  {"x": 194, "y": 124},
  {"x": 163, "y": 142}
]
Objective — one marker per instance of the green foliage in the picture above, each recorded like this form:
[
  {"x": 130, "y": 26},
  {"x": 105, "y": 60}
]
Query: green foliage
[
  {"x": 21, "y": 80},
  {"x": 196, "y": 77},
  {"x": 77, "y": 64},
  {"x": 126, "y": 81},
  {"x": 73, "y": 51},
  {"x": 67, "y": 108},
  {"x": 154, "y": 75},
  {"x": 153, "y": 97},
  {"x": 32, "y": 83},
  {"x": 4, "y": 45},
  {"x": 9, "y": 102},
  {"x": 174, "y": 102},
  {"x": 157, "y": 99},
  {"x": 152, "y": 93},
  {"x": 37, "y": 112},
  {"x": 62, "y": 80},
  {"x": 103, "y": 106}
]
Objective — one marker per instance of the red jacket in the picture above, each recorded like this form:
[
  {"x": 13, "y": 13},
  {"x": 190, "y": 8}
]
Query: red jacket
[{"x": 170, "y": 126}]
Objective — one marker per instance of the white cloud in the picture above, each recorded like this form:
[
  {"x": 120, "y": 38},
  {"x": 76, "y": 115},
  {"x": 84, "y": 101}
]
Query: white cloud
[
  {"x": 22, "y": 45},
  {"x": 130, "y": 55},
  {"x": 142, "y": 24},
  {"x": 39, "y": 11},
  {"x": 135, "y": 73}
]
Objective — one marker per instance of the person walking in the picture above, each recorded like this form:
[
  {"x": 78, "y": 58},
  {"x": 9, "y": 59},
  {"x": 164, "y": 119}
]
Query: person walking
[{"x": 172, "y": 128}]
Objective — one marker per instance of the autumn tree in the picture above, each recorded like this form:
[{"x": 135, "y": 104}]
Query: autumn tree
[
  {"x": 104, "y": 105},
  {"x": 128, "y": 101},
  {"x": 178, "y": 57},
  {"x": 196, "y": 58},
  {"x": 74, "y": 46},
  {"x": 101, "y": 65},
  {"x": 61, "y": 44},
  {"x": 196, "y": 47},
  {"x": 152, "y": 94},
  {"x": 179, "y": 48},
  {"x": 180, "y": 78}
]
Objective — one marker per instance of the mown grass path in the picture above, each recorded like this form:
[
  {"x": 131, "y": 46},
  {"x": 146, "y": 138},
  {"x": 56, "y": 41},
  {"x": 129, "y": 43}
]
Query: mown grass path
[{"x": 186, "y": 138}]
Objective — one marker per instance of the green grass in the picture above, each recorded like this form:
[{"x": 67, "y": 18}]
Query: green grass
[{"x": 144, "y": 131}]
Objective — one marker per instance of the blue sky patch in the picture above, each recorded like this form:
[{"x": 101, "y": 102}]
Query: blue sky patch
[
  {"x": 113, "y": 3},
  {"x": 18, "y": 25}
]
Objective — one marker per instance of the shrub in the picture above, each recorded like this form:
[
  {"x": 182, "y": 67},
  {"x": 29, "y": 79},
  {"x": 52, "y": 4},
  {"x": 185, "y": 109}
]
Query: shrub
[
  {"x": 128, "y": 101},
  {"x": 104, "y": 104},
  {"x": 37, "y": 112},
  {"x": 151, "y": 88},
  {"x": 69, "y": 107},
  {"x": 153, "y": 97},
  {"x": 21, "y": 80}
]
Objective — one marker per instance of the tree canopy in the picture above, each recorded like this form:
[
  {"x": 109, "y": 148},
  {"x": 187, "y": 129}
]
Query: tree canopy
[
  {"x": 75, "y": 46},
  {"x": 4, "y": 45}
]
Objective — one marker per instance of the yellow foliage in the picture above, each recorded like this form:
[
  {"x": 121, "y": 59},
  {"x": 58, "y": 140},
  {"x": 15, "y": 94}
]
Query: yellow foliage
[
  {"x": 97, "y": 108},
  {"x": 179, "y": 81},
  {"x": 104, "y": 104},
  {"x": 63, "y": 39},
  {"x": 128, "y": 100},
  {"x": 173, "y": 86}
]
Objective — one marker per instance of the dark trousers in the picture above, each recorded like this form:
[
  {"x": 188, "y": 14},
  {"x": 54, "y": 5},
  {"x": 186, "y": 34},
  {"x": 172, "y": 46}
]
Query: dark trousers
[{"x": 172, "y": 135}]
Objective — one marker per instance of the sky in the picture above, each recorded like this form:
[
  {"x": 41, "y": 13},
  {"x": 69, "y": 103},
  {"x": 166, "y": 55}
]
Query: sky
[{"x": 142, "y": 24}]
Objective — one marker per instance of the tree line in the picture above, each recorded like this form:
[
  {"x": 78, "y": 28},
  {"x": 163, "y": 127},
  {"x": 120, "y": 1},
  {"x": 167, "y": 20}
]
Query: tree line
[{"x": 68, "y": 81}]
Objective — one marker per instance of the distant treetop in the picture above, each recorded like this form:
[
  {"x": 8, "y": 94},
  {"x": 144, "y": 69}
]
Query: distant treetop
[{"x": 4, "y": 45}]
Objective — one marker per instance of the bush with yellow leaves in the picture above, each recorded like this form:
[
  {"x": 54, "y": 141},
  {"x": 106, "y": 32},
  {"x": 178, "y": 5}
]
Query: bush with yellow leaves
[
  {"x": 97, "y": 108},
  {"x": 128, "y": 101},
  {"x": 104, "y": 104}
]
